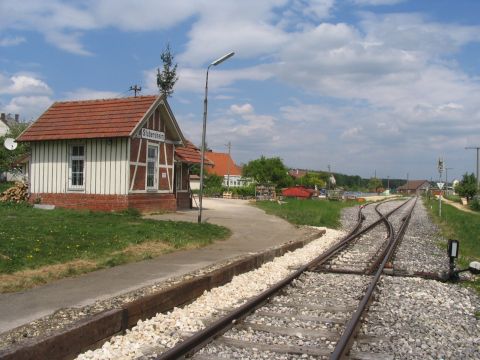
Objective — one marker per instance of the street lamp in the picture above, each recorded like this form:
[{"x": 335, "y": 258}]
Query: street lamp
[{"x": 215, "y": 63}]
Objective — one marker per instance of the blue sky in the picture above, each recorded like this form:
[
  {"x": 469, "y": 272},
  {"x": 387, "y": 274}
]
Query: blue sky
[{"x": 361, "y": 85}]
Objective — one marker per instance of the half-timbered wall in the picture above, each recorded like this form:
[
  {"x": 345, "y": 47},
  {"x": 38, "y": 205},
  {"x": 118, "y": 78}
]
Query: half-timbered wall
[
  {"x": 138, "y": 159},
  {"x": 105, "y": 166}
]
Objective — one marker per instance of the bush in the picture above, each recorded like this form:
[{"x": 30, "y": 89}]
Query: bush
[
  {"x": 248, "y": 190},
  {"x": 475, "y": 203}
]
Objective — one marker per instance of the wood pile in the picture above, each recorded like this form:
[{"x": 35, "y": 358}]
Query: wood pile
[{"x": 17, "y": 193}]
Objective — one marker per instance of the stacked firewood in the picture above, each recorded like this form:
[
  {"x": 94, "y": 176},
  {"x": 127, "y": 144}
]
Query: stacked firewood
[{"x": 17, "y": 193}]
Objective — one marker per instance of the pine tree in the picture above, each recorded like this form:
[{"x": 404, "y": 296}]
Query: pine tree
[{"x": 168, "y": 77}]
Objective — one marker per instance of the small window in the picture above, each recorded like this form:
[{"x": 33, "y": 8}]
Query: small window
[
  {"x": 77, "y": 166},
  {"x": 152, "y": 168}
]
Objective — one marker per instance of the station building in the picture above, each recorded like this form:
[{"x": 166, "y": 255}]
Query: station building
[{"x": 110, "y": 154}]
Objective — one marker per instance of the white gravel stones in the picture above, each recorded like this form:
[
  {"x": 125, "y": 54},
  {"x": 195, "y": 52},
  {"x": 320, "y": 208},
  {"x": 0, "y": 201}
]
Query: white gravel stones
[
  {"x": 314, "y": 309},
  {"x": 167, "y": 329},
  {"x": 424, "y": 319},
  {"x": 420, "y": 249}
]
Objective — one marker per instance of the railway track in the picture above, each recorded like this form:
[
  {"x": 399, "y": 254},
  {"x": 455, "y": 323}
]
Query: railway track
[{"x": 314, "y": 312}]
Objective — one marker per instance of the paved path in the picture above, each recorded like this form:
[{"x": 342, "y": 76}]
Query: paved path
[
  {"x": 252, "y": 230},
  {"x": 459, "y": 206}
]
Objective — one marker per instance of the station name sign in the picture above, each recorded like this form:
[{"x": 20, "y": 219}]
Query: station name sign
[{"x": 153, "y": 135}]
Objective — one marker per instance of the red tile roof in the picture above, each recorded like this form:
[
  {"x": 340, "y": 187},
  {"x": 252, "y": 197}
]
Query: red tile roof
[
  {"x": 89, "y": 119},
  {"x": 223, "y": 164},
  {"x": 191, "y": 154}
]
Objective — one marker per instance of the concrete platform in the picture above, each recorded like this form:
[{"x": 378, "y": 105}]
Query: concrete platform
[{"x": 252, "y": 231}]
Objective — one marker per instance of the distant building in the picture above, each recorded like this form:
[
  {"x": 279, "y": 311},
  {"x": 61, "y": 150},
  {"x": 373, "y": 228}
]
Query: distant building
[
  {"x": 297, "y": 173},
  {"x": 7, "y": 121},
  {"x": 223, "y": 165},
  {"x": 417, "y": 187}
]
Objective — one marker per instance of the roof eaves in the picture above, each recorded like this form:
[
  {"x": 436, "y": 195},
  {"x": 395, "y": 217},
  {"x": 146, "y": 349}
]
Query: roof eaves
[{"x": 33, "y": 122}]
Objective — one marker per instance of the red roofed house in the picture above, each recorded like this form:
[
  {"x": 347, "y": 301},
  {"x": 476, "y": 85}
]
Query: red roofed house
[
  {"x": 110, "y": 154},
  {"x": 223, "y": 165},
  {"x": 414, "y": 187}
]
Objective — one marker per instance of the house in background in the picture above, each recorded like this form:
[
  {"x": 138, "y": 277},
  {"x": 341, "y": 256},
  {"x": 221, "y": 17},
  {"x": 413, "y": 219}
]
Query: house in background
[
  {"x": 417, "y": 187},
  {"x": 297, "y": 173},
  {"x": 6, "y": 122},
  {"x": 223, "y": 165},
  {"x": 110, "y": 154}
]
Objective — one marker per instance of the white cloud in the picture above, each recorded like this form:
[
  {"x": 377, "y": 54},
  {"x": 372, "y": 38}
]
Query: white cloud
[
  {"x": 23, "y": 84},
  {"x": 193, "y": 79},
  {"x": 241, "y": 109},
  {"x": 377, "y": 2},
  {"x": 12, "y": 41},
  {"x": 28, "y": 107},
  {"x": 89, "y": 94}
]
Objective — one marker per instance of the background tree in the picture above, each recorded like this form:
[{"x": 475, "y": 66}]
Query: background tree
[
  {"x": 374, "y": 184},
  {"x": 9, "y": 157},
  {"x": 213, "y": 184},
  {"x": 468, "y": 186},
  {"x": 167, "y": 78},
  {"x": 311, "y": 179},
  {"x": 268, "y": 171}
]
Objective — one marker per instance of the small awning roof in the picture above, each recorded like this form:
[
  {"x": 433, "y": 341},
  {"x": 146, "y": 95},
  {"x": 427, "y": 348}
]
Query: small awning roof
[{"x": 190, "y": 154}]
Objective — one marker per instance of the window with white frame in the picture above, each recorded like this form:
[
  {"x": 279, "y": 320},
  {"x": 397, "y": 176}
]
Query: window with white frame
[
  {"x": 77, "y": 166},
  {"x": 152, "y": 167}
]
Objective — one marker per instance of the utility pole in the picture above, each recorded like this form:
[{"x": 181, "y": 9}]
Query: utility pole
[
  {"x": 229, "y": 145},
  {"x": 446, "y": 179},
  {"x": 478, "y": 163},
  {"x": 135, "y": 89},
  {"x": 440, "y": 170},
  {"x": 388, "y": 182}
]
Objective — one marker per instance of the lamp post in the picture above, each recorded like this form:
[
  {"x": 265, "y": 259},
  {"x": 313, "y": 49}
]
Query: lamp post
[{"x": 215, "y": 63}]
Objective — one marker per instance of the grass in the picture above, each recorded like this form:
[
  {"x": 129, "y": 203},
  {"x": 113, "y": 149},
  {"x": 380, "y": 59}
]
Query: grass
[
  {"x": 307, "y": 212},
  {"x": 37, "y": 245},
  {"x": 455, "y": 198},
  {"x": 460, "y": 225},
  {"x": 5, "y": 185}
]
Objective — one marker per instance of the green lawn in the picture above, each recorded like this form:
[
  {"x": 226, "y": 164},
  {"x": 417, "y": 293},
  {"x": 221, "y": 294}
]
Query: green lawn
[
  {"x": 5, "y": 185},
  {"x": 460, "y": 225},
  {"x": 308, "y": 212},
  {"x": 33, "y": 238}
]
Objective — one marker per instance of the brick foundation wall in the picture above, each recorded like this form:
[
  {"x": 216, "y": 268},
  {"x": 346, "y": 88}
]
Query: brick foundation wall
[
  {"x": 183, "y": 200},
  {"x": 148, "y": 202},
  {"x": 83, "y": 201}
]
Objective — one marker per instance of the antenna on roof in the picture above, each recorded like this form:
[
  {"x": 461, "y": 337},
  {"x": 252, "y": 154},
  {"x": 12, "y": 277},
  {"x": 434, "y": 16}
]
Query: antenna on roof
[{"x": 135, "y": 88}]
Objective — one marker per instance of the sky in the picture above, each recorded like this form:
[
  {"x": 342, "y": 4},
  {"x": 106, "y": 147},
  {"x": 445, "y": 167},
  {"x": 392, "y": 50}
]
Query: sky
[{"x": 368, "y": 87}]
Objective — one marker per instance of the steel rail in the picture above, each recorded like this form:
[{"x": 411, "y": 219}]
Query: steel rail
[
  {"x": 204, "y": 336},
  {"x": 371, "y": 270},
  {"x": 342, "y": 346}
]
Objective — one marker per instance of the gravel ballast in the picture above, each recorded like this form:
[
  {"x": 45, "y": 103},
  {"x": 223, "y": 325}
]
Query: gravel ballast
[{"x": 165, "y": 330}]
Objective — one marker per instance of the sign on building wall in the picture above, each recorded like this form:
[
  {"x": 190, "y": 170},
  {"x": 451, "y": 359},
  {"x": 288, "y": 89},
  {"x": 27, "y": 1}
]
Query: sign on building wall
[{"x": 153, "y": 135}]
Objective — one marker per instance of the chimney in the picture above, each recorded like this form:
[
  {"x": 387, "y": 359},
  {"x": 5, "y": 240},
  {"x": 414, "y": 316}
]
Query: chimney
[{"x": 17, "y": 117}]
